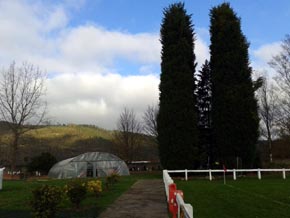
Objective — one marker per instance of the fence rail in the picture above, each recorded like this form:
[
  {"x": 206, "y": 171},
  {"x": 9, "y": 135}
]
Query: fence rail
[
  {"x": 234, "y": 171},
  {"x": 184, "y": 210}
]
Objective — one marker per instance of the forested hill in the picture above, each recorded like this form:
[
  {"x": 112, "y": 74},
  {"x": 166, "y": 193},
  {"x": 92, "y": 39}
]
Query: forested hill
[{"x": 63, "y": 142}]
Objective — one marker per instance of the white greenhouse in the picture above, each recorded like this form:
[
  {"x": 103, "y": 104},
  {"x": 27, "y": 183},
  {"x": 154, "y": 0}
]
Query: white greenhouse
[{"x": 91, "y": 164}]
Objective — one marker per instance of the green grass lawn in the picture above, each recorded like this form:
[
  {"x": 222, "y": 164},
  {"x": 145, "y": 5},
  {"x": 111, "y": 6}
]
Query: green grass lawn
[
  {"x": 243, "y": 198},
  {"x": 15, "y": 196}
]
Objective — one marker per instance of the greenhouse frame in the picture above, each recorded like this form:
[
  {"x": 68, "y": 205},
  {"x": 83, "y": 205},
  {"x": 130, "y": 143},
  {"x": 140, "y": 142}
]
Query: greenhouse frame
[{"x": 90, "y": 164}]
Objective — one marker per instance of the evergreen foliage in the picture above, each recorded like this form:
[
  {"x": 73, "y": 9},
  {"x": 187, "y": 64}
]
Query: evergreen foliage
[
  {"x": 204, "y": 105},
  {"x": 42, "y": 162},
  {"x": 176, "y": 121},
  {"x": 235, "y": 118}
]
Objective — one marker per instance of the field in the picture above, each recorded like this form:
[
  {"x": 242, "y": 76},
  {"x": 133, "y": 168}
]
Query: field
[
  {"x": 15, "y": 196},
  {"x": 243, "y": 198}
]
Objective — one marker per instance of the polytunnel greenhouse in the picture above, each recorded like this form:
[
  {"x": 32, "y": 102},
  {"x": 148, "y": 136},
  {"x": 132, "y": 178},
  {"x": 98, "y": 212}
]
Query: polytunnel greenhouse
[{"x": 91, "y": 164}]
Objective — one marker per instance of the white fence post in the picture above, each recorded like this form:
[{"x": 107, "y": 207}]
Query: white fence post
[
  {"x": 284, "y": 173},
  {"x": 1, "y": 177},
  {"x": 234, "y": 174},
  {"x": 186, "y": 176},
  {"x": 210, "y": 176},
  {"x": 187, "y": 208},
  {"x": 259, "y": 173},
  {"x": 167, "y": 180}
]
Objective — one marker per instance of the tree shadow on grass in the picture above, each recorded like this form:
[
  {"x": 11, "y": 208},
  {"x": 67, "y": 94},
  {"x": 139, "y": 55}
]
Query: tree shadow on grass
[
  {"x": 91, "y": 212},
  {"x": 15, "y": 214}
]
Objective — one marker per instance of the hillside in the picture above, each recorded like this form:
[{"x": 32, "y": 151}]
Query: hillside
[{"x": 64, "y": 142}]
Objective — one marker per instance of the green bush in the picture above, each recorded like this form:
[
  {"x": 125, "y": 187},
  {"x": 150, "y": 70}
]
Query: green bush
[
  {"x": 76, "y": 191},
  {"x": 45, "y": 200},
  {"x": 95, "y": 186},
  {"x": 42, "y": 162},
  {"x": 112, "y": 179}
]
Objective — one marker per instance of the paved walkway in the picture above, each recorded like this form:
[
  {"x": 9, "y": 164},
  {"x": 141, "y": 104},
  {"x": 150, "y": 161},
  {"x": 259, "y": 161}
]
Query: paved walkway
[{"x": 146, "y": 198}]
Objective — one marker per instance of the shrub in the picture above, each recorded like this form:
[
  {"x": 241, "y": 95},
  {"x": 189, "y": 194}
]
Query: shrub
[
  {"x": 112, "y": 179},
  {"x": 95, "y": 186},
  {"x": 45, "y": 200},
  {"x": 76, "y": 191},
  {"x": 42, "y": 162}
]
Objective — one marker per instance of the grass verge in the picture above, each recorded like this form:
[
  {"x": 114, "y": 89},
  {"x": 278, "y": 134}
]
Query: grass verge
[
  {"x": 15, "y": 196},
  {"x": 244, "y": 198}
]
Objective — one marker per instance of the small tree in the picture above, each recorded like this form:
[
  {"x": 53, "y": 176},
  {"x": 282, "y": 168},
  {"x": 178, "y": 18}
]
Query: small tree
[
  {"x": 127, "y": 137},
  {"x": 268, "y": 112},
  {"x": 150, "y": 121},
  {"x": 21, "y": 100},
  {"x": 42, "y": 162},
  {"x": 281, "y": 64},
  {"x": 204, "y": 105}
]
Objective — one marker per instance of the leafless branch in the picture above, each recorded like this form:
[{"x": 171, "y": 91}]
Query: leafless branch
[{"x": 21, "y": 99}]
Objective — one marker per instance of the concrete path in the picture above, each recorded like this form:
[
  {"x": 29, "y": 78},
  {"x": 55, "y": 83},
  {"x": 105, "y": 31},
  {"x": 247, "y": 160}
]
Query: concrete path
[{"x": 146, "y": 198}]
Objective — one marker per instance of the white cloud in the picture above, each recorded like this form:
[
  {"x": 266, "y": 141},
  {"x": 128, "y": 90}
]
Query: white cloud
[
  {"x": 56, "y": 19},
  {"x": 262, "y": 55},
  {"x": 84, "y": 85},
  {"x": 98, "y": 99},
  {"x": 201, "y": 51},
  {"x": 267, "y": 51},
  {"x": 91, "y": 43}
]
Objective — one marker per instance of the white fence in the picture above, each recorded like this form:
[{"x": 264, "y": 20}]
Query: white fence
[
  {"x": 183, "y": 208},
  {"x": 186, "y": 209},
  {"x": 1, "y": 177},
  {"x": 234, "y": 171}
]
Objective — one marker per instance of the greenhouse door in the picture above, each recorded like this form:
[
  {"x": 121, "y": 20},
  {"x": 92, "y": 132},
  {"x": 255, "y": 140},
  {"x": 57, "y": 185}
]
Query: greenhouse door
[
  {"x": 95, "y": 171},
  {"x": 89, "y": 170}
]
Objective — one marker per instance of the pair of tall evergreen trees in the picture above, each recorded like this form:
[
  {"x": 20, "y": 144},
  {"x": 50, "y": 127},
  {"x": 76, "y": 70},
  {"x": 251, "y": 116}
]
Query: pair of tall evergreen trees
[{"x": 218, "y": 116}]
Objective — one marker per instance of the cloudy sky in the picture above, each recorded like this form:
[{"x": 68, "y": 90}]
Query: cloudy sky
[{"x": 103, "y": 55}]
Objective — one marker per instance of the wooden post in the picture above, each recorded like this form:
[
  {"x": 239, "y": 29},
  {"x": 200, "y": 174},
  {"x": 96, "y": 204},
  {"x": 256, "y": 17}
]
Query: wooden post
[
  {"x": 186, "y": 176},
  {"x": 284, "y": 173},
  {"x": 210, "y": 176}
]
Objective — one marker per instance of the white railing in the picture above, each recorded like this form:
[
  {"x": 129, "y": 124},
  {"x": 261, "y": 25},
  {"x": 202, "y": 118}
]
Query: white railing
[
  {"x": 234, "y": 171},
  {"x": 167, "y": 181},
  {"x": 183, "y": 208},
  {"x": 1, "y": 177}
]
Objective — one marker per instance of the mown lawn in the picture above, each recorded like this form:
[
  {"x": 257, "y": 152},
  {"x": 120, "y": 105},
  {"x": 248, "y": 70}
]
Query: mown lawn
[
  {"x": 244, "y": 198},
  {"x": 15, "y": 196}
]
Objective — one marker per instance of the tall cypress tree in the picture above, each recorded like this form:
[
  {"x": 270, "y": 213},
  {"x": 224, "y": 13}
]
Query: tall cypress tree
[
  {"x": 176, "y": 121},
  {"x": 235, "y": 117},
  {"x": 204, "y": 106}
]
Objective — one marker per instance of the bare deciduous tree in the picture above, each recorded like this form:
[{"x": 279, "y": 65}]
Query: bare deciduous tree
[
  {"x": 21, "y": 101},
  {"x": 127, "y": 137},
  {"x": 281, "y": 64},
  {"x": 268, "y": 112},
  {"x": 150, "y": 120}
]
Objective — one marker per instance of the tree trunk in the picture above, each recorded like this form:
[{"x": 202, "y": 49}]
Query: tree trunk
[
  {"x": 269, "y": 138},
  {"x": 14, "y": 150}
]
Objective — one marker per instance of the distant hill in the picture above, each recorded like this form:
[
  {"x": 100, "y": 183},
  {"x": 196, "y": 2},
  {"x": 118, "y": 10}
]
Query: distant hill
[
  {"x": 3, "y": 127},
  {"x": 64, "y": 142}
]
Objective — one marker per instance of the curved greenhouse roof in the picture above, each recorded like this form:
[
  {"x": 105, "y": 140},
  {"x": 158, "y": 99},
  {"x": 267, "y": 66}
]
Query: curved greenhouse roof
[{"x": 90, "y": 164}]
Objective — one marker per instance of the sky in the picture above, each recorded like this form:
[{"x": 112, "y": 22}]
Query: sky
[{"x": 103, "y": 55}]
